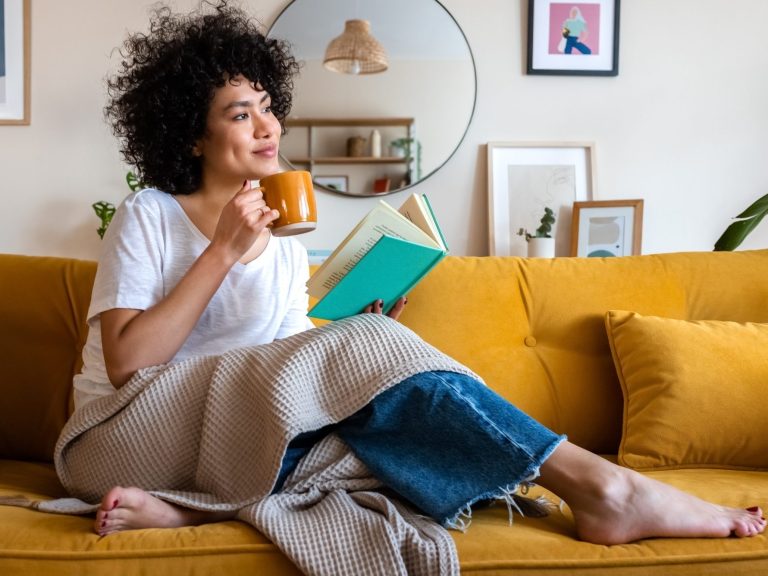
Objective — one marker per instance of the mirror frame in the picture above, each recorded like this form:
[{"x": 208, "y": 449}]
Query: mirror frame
[{"x": 286, "y": 162}]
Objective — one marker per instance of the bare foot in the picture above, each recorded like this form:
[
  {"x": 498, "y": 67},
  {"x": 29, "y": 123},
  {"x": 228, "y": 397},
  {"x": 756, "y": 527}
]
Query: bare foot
[
  {"x": 616, "y": 505},
  {"x": 635, "y": 506},
  {"x": 133, "y": 508}
]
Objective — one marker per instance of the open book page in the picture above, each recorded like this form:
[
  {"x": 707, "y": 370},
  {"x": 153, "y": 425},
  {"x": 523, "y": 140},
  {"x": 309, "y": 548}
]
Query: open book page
[
  {"x": 382, "y": 220},
  {"x": 417, "y": 211}
]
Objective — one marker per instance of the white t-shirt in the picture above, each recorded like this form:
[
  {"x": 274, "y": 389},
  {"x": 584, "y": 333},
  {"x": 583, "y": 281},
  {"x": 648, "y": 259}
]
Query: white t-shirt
[{"x": 149, "y": 246}]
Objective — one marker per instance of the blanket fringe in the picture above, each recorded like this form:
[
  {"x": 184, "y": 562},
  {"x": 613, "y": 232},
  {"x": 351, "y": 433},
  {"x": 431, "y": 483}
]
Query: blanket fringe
[
  {"x": 56, "y": 506},
  {"x": 19, "y": 501}
]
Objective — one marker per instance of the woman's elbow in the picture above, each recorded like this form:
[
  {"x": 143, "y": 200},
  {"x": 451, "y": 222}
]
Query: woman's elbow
[{"x": 119, "y": 375}]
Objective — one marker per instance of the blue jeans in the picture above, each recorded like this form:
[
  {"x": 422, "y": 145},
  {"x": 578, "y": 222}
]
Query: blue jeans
[
  {"x": 442, "y": 441},
  {"x": 572, "y": 42}
]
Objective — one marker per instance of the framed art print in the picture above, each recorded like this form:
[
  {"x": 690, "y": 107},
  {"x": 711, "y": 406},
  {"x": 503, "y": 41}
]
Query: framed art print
[
  {"x": 524, "y": 179},
  {"x": 605, "y": 228},
  {"x": 579, "y": 38},
  {"x": 14, "y": 61},
  {"x": 335, "y": 183}
]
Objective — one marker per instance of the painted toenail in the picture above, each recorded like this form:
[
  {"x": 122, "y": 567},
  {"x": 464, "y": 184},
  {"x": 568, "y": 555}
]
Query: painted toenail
[
  {"x": 103, "y": 523},
  {"x": 753, "y": 509},
  {"x": 114, "y": 504},
  {"x": 106, "y": 515}
]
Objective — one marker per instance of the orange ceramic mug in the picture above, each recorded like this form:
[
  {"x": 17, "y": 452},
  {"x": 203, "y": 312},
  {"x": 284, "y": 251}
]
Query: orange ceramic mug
[{"x": 292, "y": 195}]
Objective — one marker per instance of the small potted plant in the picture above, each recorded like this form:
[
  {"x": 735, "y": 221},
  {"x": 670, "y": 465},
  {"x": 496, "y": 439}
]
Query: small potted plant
[
  {"x": 407, "y": 148},
  {"x": 541, "y": 244}
]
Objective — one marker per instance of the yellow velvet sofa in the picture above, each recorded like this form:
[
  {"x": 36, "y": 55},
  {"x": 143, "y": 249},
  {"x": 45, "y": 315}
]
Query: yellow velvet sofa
[{"x": 536, "y": 331}]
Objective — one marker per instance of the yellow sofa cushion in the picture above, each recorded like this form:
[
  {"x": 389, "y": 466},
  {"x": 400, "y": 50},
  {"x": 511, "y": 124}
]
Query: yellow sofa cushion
[
  {"x": 43, "y": 304},
  {"x": 534, "y": 328},
  {"x": 35, "y": 543},
  {"x": 694, "y": 392}
]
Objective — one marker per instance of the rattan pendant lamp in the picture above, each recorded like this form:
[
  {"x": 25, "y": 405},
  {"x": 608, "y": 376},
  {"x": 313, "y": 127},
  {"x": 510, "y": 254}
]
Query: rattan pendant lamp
[{"x": 356, "y": 51}]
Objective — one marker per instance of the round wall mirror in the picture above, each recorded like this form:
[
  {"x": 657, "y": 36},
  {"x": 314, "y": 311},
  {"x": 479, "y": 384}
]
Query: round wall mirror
[{"x": 365, "y": 133}]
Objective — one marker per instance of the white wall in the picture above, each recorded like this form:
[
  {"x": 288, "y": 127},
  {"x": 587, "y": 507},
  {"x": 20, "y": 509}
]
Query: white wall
[{"x": 683, "y": 125}]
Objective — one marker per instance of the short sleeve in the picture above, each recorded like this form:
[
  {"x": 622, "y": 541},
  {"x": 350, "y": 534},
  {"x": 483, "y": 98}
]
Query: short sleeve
[{"x": 129, "y": 273}]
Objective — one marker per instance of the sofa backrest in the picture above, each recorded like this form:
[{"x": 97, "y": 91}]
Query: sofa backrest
[
  {"x": 532, "y": 328},
  {"x": 43, "y": 304}
]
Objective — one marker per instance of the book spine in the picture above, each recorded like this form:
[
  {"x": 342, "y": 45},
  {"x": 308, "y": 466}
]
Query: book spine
[{"x": 437, "y": 224}]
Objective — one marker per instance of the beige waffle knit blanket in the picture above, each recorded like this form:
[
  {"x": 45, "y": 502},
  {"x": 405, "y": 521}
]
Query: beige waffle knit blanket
[{"x": 210, "y": 433}]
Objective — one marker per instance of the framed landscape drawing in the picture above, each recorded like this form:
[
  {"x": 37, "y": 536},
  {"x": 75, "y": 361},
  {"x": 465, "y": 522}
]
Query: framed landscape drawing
[
  {"x": 523, "y": 179},
  {"x": 14, "y": 61},
  {"x": 579, "y": 38},
  {"x": 607, "y": 228}
]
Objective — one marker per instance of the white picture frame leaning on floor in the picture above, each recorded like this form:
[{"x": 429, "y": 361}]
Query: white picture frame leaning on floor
[{"x": 526, "y": 177}]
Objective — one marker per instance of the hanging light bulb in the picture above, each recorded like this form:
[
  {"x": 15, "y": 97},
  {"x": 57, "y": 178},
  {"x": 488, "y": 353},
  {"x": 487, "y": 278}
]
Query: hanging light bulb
[{"x": 355, "y": 51}]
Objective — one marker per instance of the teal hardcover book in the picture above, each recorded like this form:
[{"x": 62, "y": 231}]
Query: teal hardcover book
[
  {"x": 383, "y": 257},
  {"x": 387, "y": 271}
]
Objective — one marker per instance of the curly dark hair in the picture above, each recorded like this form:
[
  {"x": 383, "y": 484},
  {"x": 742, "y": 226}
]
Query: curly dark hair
[{"x": 159, "y": 99}]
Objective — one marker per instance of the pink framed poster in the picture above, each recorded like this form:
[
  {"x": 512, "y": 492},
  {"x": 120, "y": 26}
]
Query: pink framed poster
[{"x": 579, "y": 38}]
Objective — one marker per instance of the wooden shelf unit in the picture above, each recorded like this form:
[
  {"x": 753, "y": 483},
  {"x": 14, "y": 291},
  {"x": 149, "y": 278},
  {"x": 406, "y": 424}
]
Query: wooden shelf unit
[
  {"x": 313, "y": 124},
  {"x": 325, "y": 122},
  {"x": 349, "y": 160}
]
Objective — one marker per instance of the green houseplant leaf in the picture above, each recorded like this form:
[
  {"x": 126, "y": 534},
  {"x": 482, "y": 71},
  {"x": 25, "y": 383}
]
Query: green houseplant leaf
[
  {"x": 546, "y": 224},
  {"x": 133, "y": 182},
  {"x": 745, "y": 222},
  {"x": 106, "y": 210},
  {"x": 543, "y": 231}
]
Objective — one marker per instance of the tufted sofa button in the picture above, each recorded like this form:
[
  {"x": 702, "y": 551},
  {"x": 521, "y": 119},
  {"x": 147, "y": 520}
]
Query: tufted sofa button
[{"x": 530, "y": 341}]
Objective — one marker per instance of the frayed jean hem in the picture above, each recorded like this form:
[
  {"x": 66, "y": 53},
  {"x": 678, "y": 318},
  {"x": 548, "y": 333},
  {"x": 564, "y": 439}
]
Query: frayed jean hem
[{"x": 508, "y": 494}]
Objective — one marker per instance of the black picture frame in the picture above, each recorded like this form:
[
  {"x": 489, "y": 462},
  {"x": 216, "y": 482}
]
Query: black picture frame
[{"x": 548, "y": 38}]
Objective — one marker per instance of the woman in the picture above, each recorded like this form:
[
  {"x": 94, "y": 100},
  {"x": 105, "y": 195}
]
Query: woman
[
  {"x": 575, "y": 32},
  {"x": 193, "y": 270}
]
